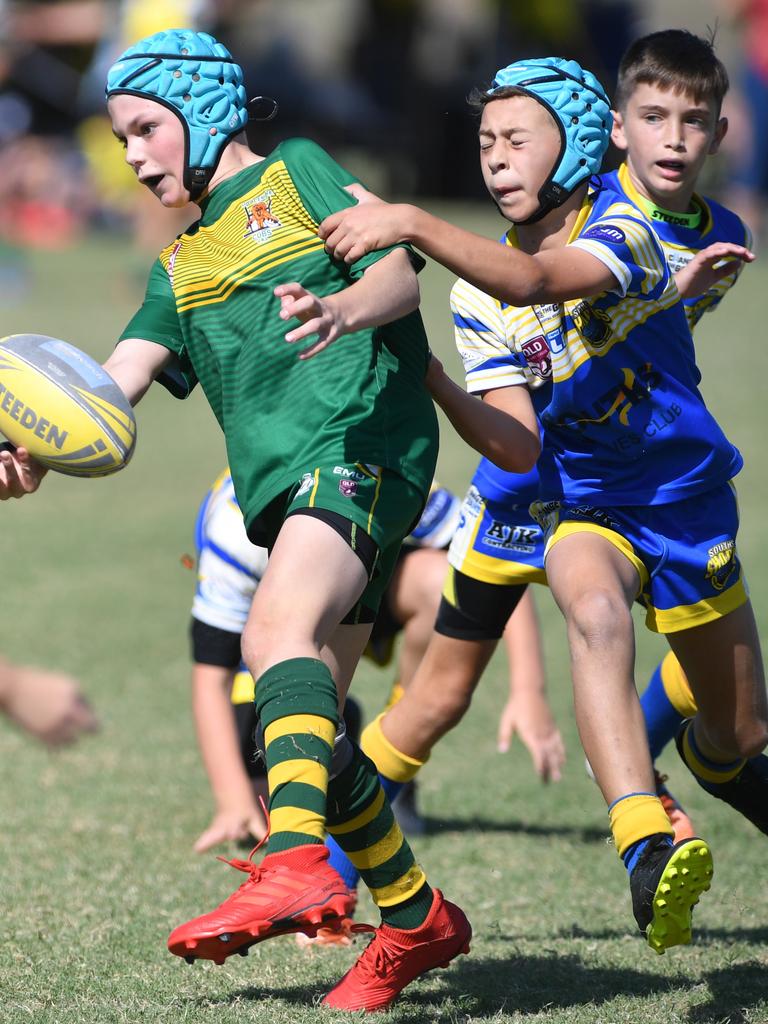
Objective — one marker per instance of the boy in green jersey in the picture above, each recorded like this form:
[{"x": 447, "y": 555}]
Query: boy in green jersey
[{"x": 332, "y": 460}]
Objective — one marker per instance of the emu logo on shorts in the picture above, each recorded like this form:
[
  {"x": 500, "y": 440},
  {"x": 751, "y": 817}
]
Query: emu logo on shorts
[{"x": 721, "y": 563}]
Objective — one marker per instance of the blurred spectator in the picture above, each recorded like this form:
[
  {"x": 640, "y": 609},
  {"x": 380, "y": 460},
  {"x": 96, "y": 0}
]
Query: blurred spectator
[{"x": 748, "y": 149}]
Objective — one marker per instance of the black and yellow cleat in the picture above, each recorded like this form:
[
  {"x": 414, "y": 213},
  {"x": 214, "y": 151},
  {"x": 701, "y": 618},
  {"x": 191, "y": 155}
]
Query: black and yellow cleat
[{"x": 666, "y": 885}]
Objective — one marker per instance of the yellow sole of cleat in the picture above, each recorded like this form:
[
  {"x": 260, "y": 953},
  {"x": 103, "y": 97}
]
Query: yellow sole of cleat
[{"x": 687, "y": 874}]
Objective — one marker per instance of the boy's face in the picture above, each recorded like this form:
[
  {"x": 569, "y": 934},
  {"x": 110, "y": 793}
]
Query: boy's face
[
  {"x": 667, "y": 136},
  {"x": 153, "y": 138},
  {"x": 519, "y": 144}
]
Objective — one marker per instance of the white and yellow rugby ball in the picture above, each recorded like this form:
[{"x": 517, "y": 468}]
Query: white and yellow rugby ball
[{"x": 59, "y": 404}]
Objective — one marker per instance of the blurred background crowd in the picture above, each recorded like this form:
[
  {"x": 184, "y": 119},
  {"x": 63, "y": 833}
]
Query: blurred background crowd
[{"x": 381, "y": 83}]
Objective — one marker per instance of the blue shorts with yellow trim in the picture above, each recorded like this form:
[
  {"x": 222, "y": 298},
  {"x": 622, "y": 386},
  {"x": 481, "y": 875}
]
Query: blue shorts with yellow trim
[
  {"x": 497, "y": 542},
  {"x": 684, "y": 552}
]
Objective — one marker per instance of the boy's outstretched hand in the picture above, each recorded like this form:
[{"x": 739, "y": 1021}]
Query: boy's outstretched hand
[
  {"x": 709, "y": 266},
  {"x": 20, "y": 474},
  {"x": 373, "y": 224}
]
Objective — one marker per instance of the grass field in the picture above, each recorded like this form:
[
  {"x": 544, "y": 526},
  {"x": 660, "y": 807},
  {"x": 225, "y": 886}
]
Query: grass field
[{"x": 95, "y": 842}]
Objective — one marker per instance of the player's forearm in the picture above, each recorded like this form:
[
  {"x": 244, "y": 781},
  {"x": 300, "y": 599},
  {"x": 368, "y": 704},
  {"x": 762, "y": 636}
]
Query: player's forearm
[
  {"x": 134, "y": 364},
  {"x": 387, "y": 291},
  {"x": 501, "y": 271},
  {"x": 217, "y": 735},
  {"x": 508, "y": 443}
]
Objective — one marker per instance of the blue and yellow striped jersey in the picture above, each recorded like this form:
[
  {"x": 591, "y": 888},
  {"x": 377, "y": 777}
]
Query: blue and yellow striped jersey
[
  {"x": 682, "y": 242},
  {"x": 614, "y": 376}
]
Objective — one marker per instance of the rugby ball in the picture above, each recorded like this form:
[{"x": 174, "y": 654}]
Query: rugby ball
[{"x": 59, "y": 404}]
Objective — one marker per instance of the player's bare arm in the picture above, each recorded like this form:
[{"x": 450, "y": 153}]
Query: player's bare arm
[
  {"x": 709, "y": 266},
  {"x": 387, "y": 291},
  {"x": 502, "y": 426},
  {"x": 501, "y": 271},
  {"x": 20, "y": 474},
  {"x": 134, "y": 364}
]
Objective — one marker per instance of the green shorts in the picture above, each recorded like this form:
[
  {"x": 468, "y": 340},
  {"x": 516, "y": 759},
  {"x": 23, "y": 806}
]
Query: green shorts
[{"x": 378, "y": 502}]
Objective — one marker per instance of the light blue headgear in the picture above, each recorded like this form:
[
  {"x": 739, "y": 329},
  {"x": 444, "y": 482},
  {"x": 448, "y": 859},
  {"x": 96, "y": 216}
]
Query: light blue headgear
[
  {"x": 581, "y": 111},
  {"x": 197, "y": 78}
]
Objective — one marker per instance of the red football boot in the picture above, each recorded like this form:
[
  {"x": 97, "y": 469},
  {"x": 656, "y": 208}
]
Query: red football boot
[
  {"x": 395, "y": 957},
  {"x": 293, "y": 891},
  {"x": 679, "y": 820}
]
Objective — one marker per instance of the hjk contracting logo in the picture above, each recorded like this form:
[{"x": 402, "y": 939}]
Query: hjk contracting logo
[{"x": 261, "y": 220}]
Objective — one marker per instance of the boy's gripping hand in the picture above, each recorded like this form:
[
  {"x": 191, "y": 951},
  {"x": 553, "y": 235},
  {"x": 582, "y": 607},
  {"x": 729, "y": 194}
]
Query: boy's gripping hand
[
  {"x": 373, "y": 224},
  {"x": 20, "y": 474},
  {"x": 318, "y": 316},
  {"x": 709, "y": 266}
]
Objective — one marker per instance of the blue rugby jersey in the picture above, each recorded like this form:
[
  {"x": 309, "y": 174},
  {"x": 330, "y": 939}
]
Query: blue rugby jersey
[
  {"x": 624, "y": 421},
  {"x": 681, "y": 242}
]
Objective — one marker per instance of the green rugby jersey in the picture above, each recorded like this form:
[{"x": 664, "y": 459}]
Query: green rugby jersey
[{"x": 210, "y": 301}]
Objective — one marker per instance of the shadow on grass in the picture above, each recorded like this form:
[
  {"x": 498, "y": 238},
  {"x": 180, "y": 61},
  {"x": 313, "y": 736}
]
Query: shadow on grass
[
  {"x": 702, "y": 936},
  {"x": 438, "y": 826},
  {"x": 482, "y": 986},
  {"x": 733, "y": 992}
]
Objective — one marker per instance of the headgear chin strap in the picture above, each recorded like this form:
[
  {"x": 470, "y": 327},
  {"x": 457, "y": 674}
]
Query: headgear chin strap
[
  {"x": 197, "y": 78},
  {"x": 582, "y": 113}
]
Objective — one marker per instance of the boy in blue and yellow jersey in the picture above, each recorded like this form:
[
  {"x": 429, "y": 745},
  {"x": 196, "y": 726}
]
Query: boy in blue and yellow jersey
[
  {"x": 331, "y": 460},
  {"x": 667, "y": 121},
  {"x": 635, "y": 473}
]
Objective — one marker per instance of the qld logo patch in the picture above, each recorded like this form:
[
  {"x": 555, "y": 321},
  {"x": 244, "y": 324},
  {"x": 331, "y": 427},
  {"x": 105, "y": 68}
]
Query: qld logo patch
[
  {"x": 261, "y": 221},
  {"x": 348, "y": 488},
  {"x": 536, "y": 352}
]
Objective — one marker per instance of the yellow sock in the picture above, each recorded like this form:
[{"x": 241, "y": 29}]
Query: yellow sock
[
  {"x": 395, "y": 695},
  {"x": 677, "y": 687},
  {"x": 389, "y": 760},
  {"x": 636, "y": 817}
]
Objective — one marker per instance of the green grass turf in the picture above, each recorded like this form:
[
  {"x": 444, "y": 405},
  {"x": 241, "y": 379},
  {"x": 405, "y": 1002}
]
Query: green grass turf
[{"x": 95, "y": 842}]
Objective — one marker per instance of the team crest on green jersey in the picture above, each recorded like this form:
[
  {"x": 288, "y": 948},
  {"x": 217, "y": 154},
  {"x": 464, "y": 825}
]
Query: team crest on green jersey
[{"x": 261, "y": 221}]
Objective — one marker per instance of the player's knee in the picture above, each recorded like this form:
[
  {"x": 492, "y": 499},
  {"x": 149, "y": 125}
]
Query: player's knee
[
  {"x": 599, "y": 618},
  {"x": 740, "y": 740}
]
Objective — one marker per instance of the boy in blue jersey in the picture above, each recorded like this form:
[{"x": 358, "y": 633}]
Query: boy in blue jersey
[
  {"x": 667, "y": 122},
  {"x": 634, "y": 470}
]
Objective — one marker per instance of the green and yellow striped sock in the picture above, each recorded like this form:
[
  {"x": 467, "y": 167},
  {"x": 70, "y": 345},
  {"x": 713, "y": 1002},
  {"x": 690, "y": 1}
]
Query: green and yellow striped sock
[
  {"x": 361, "y": 821},
  {"x": 297, "y": 704}
]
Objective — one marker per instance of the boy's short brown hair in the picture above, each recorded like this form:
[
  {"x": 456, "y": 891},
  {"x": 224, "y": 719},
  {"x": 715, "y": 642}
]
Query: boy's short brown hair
[{"x": 673, "y": 59}]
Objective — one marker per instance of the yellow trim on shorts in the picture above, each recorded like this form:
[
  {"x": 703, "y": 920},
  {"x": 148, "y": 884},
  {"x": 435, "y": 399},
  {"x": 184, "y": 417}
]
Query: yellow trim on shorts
[
  {"x": 685, "y": 616},
  {"x": 243, "y": 689},
  {"x": 301, "y": 769},
  {"x": 377, "y": 854},
  {"x": 569, "y": 527},
  {"x": 401, "y": 889},
  {"x": 316, "y": 474},
  {"x": 296, "y": 819},
  {"x": 486, "y": 569},
  {"x": 312, "y": 725},
  {"x": 362, "y": 819},
  {"x": 375, "y": 501}
]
